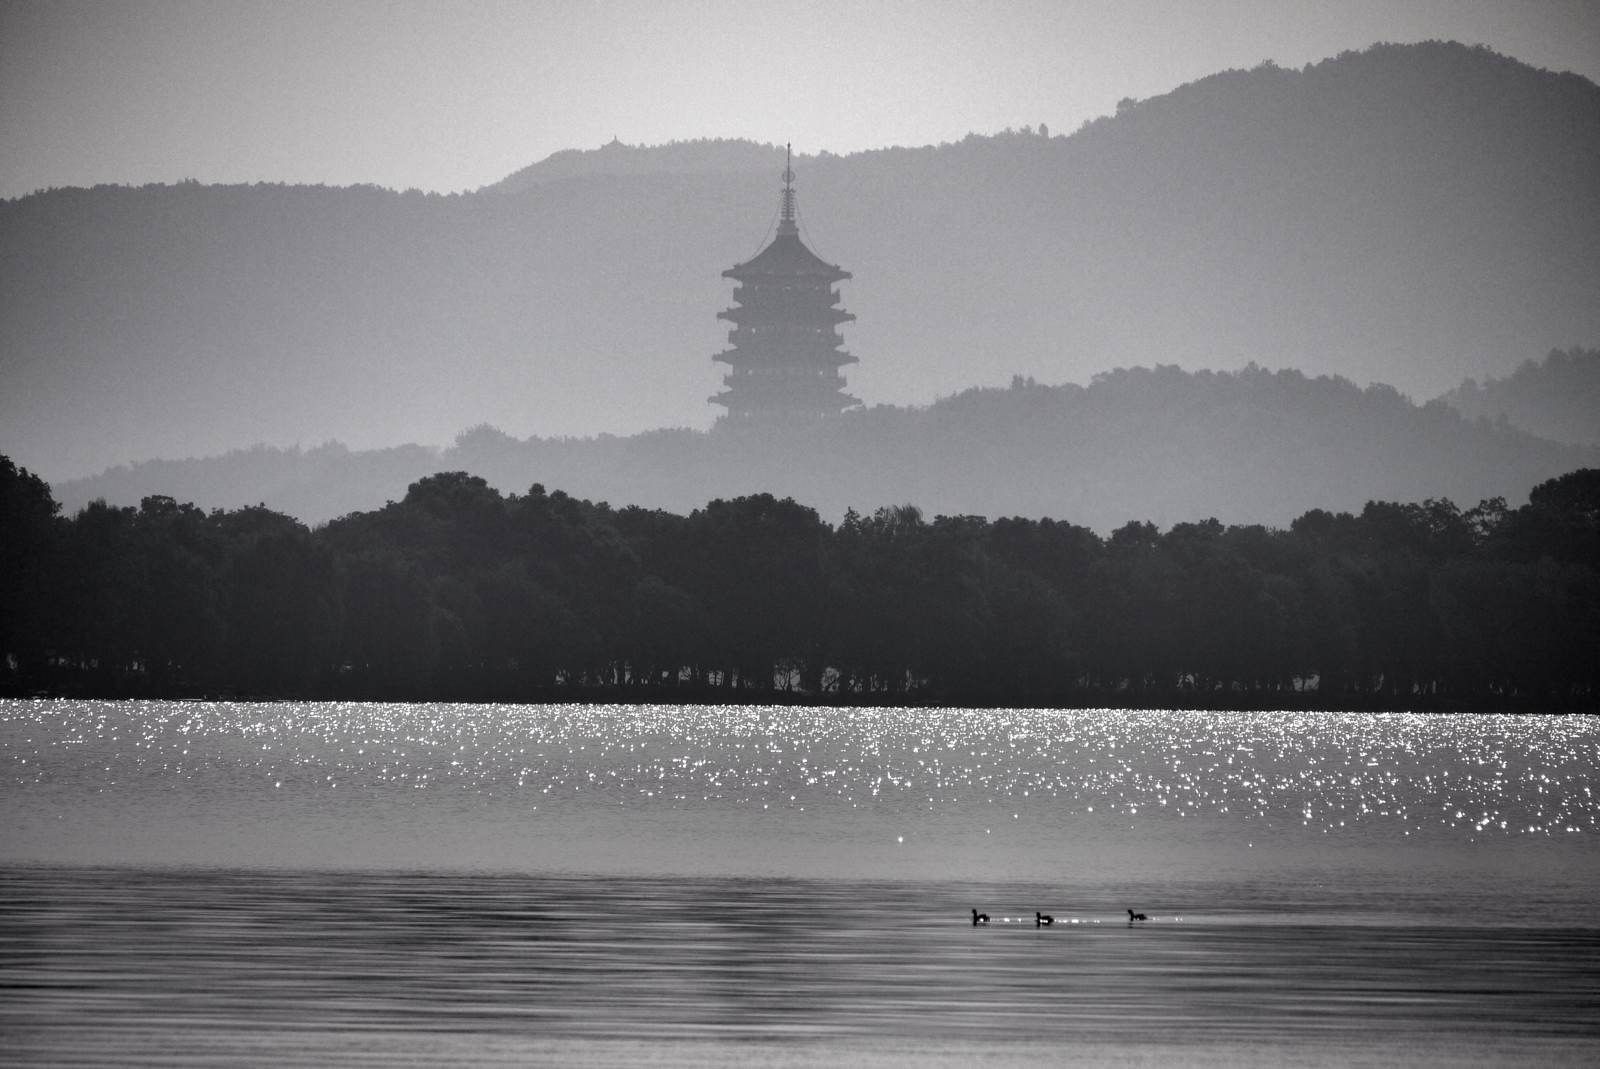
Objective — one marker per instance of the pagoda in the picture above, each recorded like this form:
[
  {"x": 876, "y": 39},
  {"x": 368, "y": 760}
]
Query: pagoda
[{"x": 784, "y": 350}]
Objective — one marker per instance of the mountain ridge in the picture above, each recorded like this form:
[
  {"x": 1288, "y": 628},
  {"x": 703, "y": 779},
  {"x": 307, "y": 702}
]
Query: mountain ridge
[
  {"x": 1406, "y": 214},
  {"x": 1158, "y": 444},
  {"x": 745, "y": 155},
  {"x": 1557, "y": 398}
]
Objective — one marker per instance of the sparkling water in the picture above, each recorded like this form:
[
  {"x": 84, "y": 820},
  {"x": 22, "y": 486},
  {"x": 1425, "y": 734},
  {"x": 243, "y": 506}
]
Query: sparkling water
[{"x": 355, "y": 883}]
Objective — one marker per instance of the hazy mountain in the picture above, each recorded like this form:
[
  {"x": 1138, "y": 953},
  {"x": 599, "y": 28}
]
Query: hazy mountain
[
  {"x": 1408, "y": 214},
  {"x": 1155, "y": 444},
  {"x": 705, "y": 156},
  {"x": 1556, "y": 398}
]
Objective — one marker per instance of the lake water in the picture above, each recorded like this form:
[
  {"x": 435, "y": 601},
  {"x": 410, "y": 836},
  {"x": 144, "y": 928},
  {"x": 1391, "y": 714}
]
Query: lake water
[{"x": 316, "y": 884}]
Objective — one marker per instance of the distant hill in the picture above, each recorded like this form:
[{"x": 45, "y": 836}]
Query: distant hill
[
  {"x": 1408, "y": 214},
  {"x": 1556, "y": 398},
  {"x": 705, "y": 156},
  {"x": 1158, "y": 444}
]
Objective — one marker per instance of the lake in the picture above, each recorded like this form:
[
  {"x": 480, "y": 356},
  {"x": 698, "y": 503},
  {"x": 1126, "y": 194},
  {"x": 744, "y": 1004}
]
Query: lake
[{"x": 362, "y": 884}]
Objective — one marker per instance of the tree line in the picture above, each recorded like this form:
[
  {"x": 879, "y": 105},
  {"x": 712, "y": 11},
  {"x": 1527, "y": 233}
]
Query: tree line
[
  {"x": 460, "y": 591},
  {"x": 1555, "y": 398}
]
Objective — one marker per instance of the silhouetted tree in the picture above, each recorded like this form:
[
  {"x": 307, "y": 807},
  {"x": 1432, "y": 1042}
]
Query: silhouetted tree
[
  {"x": 459, "y": 591},
  {"x": 30, "y": 539}
]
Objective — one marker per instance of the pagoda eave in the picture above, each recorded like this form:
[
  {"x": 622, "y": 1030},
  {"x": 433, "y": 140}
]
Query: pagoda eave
[
  {"x": 746, "y": 358},
  {"x": 738, "y": 402},
  {"x": 826, "y": 315},
  {"x": 745, "y": 273}
]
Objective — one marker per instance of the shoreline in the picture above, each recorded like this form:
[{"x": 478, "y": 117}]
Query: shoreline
[{"x": 1144, "y": 700}]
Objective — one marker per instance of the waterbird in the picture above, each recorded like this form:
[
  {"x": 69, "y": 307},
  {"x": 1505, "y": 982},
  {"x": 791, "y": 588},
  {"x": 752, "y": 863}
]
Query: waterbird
[
  {"x": 979, "y": 918},
  {"x": 1132, "y": 916},
  {"x": 1042, "y": 920}
]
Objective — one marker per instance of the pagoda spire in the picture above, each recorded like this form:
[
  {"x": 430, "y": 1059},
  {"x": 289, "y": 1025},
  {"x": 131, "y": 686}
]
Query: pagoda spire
[{"x": 786, "y": 223}]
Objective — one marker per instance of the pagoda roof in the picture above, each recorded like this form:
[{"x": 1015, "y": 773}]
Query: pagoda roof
[
  {"x": 816, "y": 357},
  {"x": 825, "y": 314},
  {"x": 786, "y": 257},
  {"x": 809, "y": 403}
]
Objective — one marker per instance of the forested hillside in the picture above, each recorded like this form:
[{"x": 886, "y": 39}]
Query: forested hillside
[
  {"x": 1556, "y": 398},
  {"x": 459, "y": 591},
  {"x": 1163, "y": 444},
  {"x": 1408, "y": 214}
]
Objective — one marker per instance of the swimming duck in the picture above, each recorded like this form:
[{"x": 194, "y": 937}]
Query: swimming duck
[{"x": 979, "y": 918}]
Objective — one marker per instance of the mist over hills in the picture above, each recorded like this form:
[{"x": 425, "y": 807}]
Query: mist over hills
[
  {"x": 1556, "y": 398},
  {"x": 1157, "y": 444},
  {"x": 1408, "y": 214}
]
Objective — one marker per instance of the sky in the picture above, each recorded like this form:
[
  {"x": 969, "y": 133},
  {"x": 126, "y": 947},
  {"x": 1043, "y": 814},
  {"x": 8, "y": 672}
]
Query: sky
[{"x": 453, "y": 96}]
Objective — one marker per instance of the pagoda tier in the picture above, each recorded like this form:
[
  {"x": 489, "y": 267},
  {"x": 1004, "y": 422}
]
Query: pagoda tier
[
  {"x": 764, "y": 342},
  {"x": 784, "y": 398},
  {"x": 785, "y": 352},
  {"x": 749, "y": 357},
  {"x": 810, "y": 314}
]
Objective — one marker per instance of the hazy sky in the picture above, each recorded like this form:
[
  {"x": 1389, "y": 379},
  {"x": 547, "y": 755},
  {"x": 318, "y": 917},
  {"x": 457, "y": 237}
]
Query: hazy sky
[{"x": 447, "y": 96}]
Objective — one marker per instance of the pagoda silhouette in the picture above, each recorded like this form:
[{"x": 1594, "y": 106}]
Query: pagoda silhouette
[{"x": 785, "y": 351}]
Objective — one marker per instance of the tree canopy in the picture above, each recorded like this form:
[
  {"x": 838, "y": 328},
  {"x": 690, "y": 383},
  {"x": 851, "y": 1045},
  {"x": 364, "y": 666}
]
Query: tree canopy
[{"x": 460, "y": 591}]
